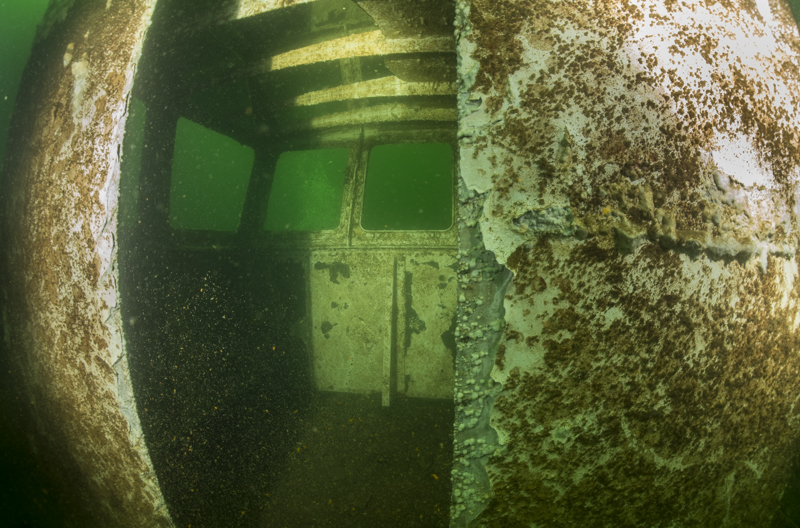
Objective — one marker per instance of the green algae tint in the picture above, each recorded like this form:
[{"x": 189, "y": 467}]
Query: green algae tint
[
  {"x": 409, "y": 186},
  {"x": 18, "y": 22},
  {"x": 210, "y": 173},
  {"x": 288, "y": 263},
  {"x": 306, "y": 192}
]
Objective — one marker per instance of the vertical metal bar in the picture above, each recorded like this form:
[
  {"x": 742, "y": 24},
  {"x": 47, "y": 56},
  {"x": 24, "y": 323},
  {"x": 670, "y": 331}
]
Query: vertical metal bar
[
  {"x": 254, "y": 211},
  {"x": 389, "y": 385}
]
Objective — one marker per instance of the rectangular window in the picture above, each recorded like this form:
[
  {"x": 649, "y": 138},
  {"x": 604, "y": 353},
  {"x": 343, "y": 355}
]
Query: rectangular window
[
  {"x": 409, "y": 186},
  {"x": 210, "y": 173},
  {"x": 307, "y": 189}
]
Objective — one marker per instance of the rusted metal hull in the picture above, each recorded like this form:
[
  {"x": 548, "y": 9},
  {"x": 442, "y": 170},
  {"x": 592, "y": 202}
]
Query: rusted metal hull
[
  {"x": 61, "y": 305},
  {"x": 638, "y": 175}
]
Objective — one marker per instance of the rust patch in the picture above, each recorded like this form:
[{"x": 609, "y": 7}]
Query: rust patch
[
  {"x": 654, "y": 326},
  {"x": 588, "y": 112},
  {"x": 629, "y": 421},
  {"x": 499, "y": 52},
  {"x": 62, "y": 141}
]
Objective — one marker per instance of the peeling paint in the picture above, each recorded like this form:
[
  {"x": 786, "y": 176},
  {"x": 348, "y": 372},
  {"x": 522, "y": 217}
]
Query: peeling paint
[
  {"x": 80, "y": 71},
  {"x": 627, "y": 220},
  {"x": 638, "y": 176},
  {"x": 60, "y": 199}
]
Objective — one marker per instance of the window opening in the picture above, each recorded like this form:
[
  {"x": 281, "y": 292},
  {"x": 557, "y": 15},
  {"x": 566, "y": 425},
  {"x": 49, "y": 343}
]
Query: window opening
[
  {"x": 307, "y": 190},
  {"x": 210, "y": 173},
  {"x": 409, "y": 186}
]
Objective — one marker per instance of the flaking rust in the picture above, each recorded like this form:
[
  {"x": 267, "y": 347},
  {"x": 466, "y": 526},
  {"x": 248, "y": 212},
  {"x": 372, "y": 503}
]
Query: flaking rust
[{"x": 638, "y": 175}]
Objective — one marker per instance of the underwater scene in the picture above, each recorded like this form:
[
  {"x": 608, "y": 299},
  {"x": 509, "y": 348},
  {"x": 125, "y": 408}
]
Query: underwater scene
[
  {"x": 361, "y": 280},
  {"x": 287, "y": 266}
]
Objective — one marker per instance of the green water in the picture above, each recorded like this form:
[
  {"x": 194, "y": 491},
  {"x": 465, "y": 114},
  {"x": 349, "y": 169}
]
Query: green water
[
  {"x": 209, "y": 179},
  {"x": 306, "y": 193},
  {"x": 409, "y": 186},
  {"x": 794, "y": 5},
  {"x": 18, "y": 21}
]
